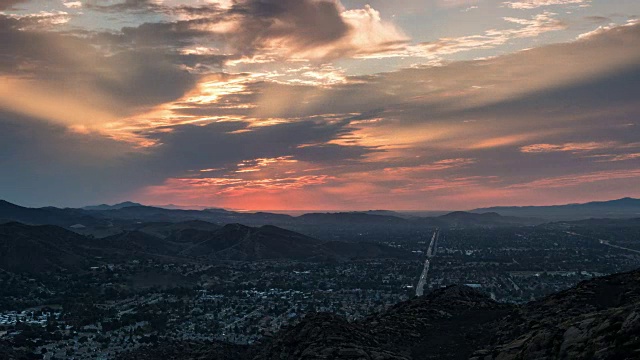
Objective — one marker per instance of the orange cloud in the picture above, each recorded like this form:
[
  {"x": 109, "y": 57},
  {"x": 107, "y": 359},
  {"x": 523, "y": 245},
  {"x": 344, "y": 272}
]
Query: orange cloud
[{"x": 566, "y": 181}]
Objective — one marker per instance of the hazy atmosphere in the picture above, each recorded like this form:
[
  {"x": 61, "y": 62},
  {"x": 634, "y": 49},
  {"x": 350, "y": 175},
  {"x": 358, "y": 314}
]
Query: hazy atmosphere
[
  {"x": 319, "y": 179},
  {"x": 319, "y": 104}
]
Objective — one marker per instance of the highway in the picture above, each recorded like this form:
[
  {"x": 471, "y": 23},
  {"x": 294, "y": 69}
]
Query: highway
[
  {"x": 431, "y": 251},
  {"x": 604, "y": 242}
]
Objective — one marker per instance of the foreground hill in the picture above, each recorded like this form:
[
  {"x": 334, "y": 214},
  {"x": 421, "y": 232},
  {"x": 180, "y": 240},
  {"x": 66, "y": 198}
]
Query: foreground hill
[
  {"x": 447, "y": 324},
  {"x": 598, "y": 319}
]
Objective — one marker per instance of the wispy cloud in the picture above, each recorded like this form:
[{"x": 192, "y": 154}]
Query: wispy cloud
[
  {"x": 567, "y": 147},
  {"x": 578, "y": 179},
  {"x": 532, "y": 4},
  {"x": 528, "y": 28}
]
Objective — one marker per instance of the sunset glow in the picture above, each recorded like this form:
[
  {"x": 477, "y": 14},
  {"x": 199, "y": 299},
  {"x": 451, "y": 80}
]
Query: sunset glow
[{"x": 320, "y": 104}]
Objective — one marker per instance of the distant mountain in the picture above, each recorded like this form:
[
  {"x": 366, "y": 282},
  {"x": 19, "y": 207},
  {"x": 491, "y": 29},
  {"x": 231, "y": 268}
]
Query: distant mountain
[
  {"x": 488, "y": 219},
  {"x": 47, "y": 215},
  {"x": 112, "y": 207},
  {"x": 219, "y": 210},
  {"x": 621, "y": 208},
  {"x": 156, "y": 214},
  {"x": 349, "y": 218},
  {"x": 389, "y": 213},
  {"x": 38, "y": 249},
  {"x": 179, "y": 207},
  {"x": 607, "y": 223},
  {"x": 106, "y": 220}
]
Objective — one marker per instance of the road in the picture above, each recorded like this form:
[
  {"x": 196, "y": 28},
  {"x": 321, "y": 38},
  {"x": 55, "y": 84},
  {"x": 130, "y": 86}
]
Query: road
[
  {"x": 431, "y": 251},
  {"x": 604, "y": 242}
]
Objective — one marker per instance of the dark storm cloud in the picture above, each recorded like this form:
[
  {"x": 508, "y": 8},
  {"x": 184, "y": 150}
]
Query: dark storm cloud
[
  {"x": 190, "y": 147},
  {"x": 124, "y": 81},
  {"x": 43, "y": 163},
  {"x": 9, "y": 4},
  {"x": 598, "y": 19},
  {"x": 568, "y": 74},
  {"x": 286, "y": 27},
  {"x": 47, "y": 163},
  {"x": 127, "y": 5},
  {"x": 306, "y": 23},
  {"x": 171, "y": 34}
]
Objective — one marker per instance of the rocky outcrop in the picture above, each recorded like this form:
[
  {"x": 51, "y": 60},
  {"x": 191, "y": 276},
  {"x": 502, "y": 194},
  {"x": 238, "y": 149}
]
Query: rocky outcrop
[
  {"x": 326, "y": 336},
  {"x": 446, "y": 324},
  {"x": 598, "y": 319}
]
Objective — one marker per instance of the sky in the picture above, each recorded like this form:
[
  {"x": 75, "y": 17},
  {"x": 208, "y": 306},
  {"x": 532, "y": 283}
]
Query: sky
[{"x": 319, "y": 104}]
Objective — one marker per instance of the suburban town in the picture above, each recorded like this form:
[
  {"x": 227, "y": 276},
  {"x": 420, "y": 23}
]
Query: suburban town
[{"x": 114, "y": 308}]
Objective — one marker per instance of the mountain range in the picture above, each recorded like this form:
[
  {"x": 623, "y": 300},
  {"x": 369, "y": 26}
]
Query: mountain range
[
  {"x": 49, "y": 248},
  {"x": 105, "y": 220},
  {"x": 121, "y": 205},
  {"x": 620, "y": 208}
]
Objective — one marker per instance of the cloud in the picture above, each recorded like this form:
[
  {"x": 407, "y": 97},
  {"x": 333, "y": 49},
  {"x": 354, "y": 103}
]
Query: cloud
[
  {"x": 42, "y": 19},
  {"x": 46, "y": 163},
  {"x": 579, "y": 179},
  {"x": 529, "y": 28},
  {"x": 567, "y": 147},
  {"x": 126, "y": 5},
  {"x": 9, "y": 4},
  {"x": 459, "y": 133},
  {"x": 532, "y": 4},
  {"x": 307, "y": 29},
  {"x": 73, "y": 4},
  {"x": 45, "y": 73},
  {"x": 311, "y": 29}
]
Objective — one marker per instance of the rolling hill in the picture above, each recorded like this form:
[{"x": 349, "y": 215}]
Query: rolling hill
[
  {"x": 239, "y": 242},
  {"x": 43, "y": 248},
  {"x": 38, "y": 249}
]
